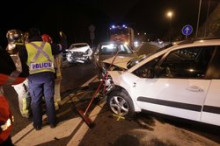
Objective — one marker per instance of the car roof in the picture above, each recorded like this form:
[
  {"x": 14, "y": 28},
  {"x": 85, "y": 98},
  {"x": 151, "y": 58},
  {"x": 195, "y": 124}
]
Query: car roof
[
  {"x": 198, "y": 42},
  {"x": 178, "y": 45}
]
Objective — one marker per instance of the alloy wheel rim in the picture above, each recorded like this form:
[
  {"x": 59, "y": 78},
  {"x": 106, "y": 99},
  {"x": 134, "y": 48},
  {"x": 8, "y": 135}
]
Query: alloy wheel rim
[{"x": 119, "y": 105}]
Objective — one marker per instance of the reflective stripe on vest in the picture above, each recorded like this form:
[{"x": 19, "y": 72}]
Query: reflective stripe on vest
[
  {"x": 7, "y": 124},
  {"x": 6, "y": 119},
  {"x": 40, "y": 58}
]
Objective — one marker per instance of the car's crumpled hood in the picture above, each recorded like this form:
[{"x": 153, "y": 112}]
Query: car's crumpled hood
[
  {"x": 120, "y": 61},
  {"x": 82, "y": 49}
]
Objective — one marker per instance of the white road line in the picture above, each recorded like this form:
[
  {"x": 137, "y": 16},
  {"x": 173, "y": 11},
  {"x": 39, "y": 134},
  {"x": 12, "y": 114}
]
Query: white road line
[
  {"x": 67, "y": 98},
  {"x": 29, "y": 128},
  {"x": 46, "y": 135},
  {"x": 78, "y": 136},
  {"x": 24, "y": 132},
  {"x": 89, "y": 81}
]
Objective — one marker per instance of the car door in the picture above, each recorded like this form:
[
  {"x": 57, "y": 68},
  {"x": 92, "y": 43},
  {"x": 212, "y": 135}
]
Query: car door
[
  {"x": 179, "y": 86},
  {"x": 211, "y": 109}
]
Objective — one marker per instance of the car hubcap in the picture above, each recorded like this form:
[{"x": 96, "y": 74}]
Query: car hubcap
[{"x": 119, "y": 106}]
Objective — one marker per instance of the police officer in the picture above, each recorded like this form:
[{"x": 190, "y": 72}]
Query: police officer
[
  {"x": 39, "y": 57},
  {"x": 12, "y": 71},
  {"x": 15, "y": 43}
]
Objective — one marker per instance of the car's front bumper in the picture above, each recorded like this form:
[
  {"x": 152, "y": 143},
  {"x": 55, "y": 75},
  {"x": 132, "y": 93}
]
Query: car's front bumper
[{"x": 73, "y": 57}]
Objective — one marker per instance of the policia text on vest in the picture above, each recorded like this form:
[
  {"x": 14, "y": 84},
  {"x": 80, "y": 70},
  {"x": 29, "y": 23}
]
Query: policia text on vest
[{"x": 35, "y": 66}]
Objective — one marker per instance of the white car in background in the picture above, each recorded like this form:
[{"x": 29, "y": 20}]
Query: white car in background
[
  {"x": 182, "y": 80},
  {"x": 79, "y": 53}
]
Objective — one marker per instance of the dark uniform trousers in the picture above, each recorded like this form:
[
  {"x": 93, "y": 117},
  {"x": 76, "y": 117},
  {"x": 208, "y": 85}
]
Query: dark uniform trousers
[{"x": 42, "y": 84}]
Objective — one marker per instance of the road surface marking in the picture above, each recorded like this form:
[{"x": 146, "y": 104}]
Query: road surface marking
[
  {"x": 20, "y": 137},
  {"x": 78, "y": 136},
  {"x": 24, "y": 132},
  {"x": 89, "y": 81},
  {"x": 46, "y": 134},
  {"x": 68, "y": 97},
  {"x": 119, "y": 117}
]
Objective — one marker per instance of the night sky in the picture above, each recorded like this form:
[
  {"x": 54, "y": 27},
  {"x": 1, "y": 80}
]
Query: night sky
[{"x": 74, "y": 17}]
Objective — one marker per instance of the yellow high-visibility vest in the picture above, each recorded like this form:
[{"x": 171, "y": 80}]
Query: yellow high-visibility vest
[{"x": 40, "y": 58}]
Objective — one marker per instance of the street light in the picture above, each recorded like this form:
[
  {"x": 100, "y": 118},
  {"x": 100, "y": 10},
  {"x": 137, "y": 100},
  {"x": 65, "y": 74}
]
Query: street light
[
  {"x": 197, "y": 25},
  {"x": 169, "y": 15}
]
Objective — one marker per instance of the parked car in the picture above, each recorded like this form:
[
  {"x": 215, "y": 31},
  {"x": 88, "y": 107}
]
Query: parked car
[
  {"x": 79, "y": 53},
  {"x": 182, "y": 80}
]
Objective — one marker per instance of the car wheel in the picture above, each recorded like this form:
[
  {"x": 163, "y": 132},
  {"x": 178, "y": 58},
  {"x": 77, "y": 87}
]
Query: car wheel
[{"x": 120, "y": 103}]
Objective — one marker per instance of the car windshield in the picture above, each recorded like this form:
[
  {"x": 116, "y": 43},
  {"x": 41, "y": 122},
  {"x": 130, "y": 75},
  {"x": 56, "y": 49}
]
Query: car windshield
[
  {"x": 136, "y": 60},
  {"x": 165, "y": 47},
  {"x": 111, "y": 49},
  {"x": 146, "y": 51},
  {"x": 149, "y": 48}
]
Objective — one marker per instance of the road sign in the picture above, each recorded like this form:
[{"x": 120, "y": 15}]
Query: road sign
[
  {"x": 92, "y": 32},
  {"x": 91, "y": 28},
  {"x": 92, "y": 36},
  {"x": 187, "y": 30}
]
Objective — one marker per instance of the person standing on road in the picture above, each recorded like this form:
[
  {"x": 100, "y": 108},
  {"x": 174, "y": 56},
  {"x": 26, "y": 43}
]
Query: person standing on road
[
  {"x": 57, "y": 64},
  {"x": 12, "y": 71},
  {"x": 39, "y": 57},
  {"x": 16, "y": 43}
]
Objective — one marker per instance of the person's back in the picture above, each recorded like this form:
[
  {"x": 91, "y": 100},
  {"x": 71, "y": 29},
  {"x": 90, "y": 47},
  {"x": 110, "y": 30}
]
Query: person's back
[{"x": 41, "y": 80}]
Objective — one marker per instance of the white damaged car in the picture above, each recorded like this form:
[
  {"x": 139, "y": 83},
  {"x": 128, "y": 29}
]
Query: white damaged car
[
  {"x": 181, "y": 80},
  {"x": 79, "y": 53}
]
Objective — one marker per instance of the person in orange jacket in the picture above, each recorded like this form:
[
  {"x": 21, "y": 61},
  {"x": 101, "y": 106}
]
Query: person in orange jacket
[{"x": 12, "y": 71}]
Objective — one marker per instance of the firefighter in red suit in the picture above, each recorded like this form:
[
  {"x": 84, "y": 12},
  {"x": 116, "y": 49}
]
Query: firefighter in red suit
[{"x": 12, "y": 71}]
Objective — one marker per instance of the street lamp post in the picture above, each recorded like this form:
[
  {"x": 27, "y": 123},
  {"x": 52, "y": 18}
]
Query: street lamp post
[
  {"x": 169, "y": 15},
  {"x": 197, "y": 25}
]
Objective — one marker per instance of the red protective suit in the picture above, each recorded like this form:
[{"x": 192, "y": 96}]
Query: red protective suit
[
  {"x": 11, "y": 76},
  {"x": 5, "y": 113}
]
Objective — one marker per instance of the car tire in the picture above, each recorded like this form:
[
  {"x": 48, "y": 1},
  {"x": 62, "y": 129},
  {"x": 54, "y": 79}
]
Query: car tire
[{"x": 120, "y": 103}]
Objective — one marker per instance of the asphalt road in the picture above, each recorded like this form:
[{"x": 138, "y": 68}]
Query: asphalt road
[{"x": 148, "y": 129}]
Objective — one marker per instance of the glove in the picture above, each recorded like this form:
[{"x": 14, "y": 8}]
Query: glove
[{"x": 62, "y": 35}]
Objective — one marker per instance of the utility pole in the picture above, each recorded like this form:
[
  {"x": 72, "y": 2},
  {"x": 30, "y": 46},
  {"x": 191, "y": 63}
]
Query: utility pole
[
  {"x": 207, "y": 15},
  {"x": 169, "y": 14},
  {"x": 92, "y": 34},
  {"x": 197, "y": 26}
]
